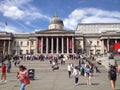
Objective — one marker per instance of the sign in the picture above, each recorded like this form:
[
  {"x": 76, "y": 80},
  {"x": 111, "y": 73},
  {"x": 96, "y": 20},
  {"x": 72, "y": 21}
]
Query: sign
[{"x": 39, "y": 43}]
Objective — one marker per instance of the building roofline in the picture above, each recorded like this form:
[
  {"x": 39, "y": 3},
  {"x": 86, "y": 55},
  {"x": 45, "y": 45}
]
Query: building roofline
[{"x": 96, "y": 23}]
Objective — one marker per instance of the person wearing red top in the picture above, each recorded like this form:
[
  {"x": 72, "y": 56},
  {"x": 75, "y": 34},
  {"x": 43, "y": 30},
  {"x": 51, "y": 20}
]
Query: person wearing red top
[
  {"x": 23, "y": 77},
  {"x": 3, "y": 70}
]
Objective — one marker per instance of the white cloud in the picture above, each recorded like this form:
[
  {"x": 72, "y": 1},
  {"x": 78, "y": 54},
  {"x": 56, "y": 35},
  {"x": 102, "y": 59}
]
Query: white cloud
[
  {"x": 91, "y": 15},
  {"x": 21, "y": 10},
  {"x": 9, "y": 29},
  {"x": 13, "y": 12}
]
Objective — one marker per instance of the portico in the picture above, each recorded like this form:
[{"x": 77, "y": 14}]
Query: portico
[
  {"x": 5, "y": 43},
  {"x": 56, "y": 44}
]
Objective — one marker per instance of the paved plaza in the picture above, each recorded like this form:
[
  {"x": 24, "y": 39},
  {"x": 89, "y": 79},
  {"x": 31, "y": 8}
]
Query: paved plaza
[{"x": 46, "y": 79}]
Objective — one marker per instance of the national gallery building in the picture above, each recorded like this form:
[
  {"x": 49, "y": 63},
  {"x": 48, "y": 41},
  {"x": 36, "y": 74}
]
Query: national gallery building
[{"x": 91, "y": 38}]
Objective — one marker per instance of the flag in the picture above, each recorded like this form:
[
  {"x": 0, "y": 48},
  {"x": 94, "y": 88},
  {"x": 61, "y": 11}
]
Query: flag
[
  {"x": 6, "y": 23},
  {"x": 39, "y": 43},
  {"x": 70, "y": 43},
  {"x": 116, "y": 46}
]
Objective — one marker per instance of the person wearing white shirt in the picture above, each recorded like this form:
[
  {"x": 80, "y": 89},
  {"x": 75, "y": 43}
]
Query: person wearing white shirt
[
  {"x": 69, "y": 68},
  {"x": 76, "y": 74}
]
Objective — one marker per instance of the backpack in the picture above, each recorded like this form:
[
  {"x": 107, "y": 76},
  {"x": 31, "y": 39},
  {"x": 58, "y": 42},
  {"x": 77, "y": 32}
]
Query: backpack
[{"x": 112, "y": 73}]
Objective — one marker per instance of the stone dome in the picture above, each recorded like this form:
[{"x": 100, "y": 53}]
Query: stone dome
[
  {"x": 56, "y": 23},
  {"x": 56, "y": 20}
]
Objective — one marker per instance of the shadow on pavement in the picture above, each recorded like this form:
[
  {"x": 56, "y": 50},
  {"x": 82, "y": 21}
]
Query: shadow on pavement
[
  {"x": 95, "y": 84},
  {"x": 86, "y": 84}
]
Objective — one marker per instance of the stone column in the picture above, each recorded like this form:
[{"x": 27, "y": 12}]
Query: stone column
[
  {"x": 41, "y": 45},
  {"x": 67, "y": 45},
  {"x": 29, "y": 46},
  {"x": 9, "y": 45},
  {"x": 52, "y": 45},
  {"x": 62, "y": 45},
  {"x": 102, "y": 45},
  {"x": 4, "y": 44},
  {"x": 46, "y": 44},
  {"x": 36, "y": 49},
  {"x": 82, "y": 44},
  {"x": 57, "y": 46},
  {"x": 72, "y": 44},
  {"x": 108, "y": 45}
]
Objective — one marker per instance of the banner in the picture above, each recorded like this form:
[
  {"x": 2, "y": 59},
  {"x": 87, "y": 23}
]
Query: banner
[
  {"x": 39, "y": 43},
  {"x": 116, "y": 46},
  {"x": 70, "y": 43}
]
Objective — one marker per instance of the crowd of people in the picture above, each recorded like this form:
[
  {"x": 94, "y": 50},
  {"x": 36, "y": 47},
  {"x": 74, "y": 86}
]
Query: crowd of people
[
  {"x": 87, "y": 69},
  {"x": 84, "y": 68}
]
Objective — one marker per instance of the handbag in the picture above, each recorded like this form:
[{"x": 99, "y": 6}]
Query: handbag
[{"x": 26, "y": 81}]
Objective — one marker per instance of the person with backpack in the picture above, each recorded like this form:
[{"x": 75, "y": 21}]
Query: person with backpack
[
  {"x": 82, "y": 71},
  {"x": 112, "y": 75}
]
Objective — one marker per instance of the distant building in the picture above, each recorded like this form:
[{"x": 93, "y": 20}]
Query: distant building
[{"x": 91, "y": 38}]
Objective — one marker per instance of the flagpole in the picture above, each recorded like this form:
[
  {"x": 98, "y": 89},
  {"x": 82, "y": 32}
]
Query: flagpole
[{"x": 5, "y": 25}]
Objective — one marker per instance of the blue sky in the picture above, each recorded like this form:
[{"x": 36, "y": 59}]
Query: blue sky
[{"x": 24, "y": 16}]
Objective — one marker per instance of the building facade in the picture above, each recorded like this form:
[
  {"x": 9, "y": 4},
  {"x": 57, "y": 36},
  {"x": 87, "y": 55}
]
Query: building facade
[{"x": 91, "y": 38}]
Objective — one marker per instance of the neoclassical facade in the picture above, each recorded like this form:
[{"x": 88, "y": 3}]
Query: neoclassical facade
[{"x": 91, "y": 38}]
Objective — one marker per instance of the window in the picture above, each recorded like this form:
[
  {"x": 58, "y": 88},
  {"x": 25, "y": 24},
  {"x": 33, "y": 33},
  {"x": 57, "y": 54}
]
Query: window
[
  {"x": 91, "y": 52},
  {"x": 26, "y": 51},
  {"x": 97, "y": 51},
  {"x": 21, "y": 43},
  {"x": 21, "y": 52},
  {"x": 14, "y": 43},
  {"x": 31, "y": 51},
  {"x": 14, "y": 52},
  {"x": 32, "y": 42},
  {"x": 97, "y": 42},
  {"x": 90, "y": 42},
  {"x": 27, "y": 43}
]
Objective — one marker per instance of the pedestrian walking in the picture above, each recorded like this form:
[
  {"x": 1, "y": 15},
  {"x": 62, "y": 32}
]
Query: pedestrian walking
[
  {"x": 9, "y": 66},
  {"x": 15, "y": 63},
  {"x": 69, "y": 68},
  {"x": 3, "y": 72},
  {"x": 82, "y": 71},
  {"x": 23, "y": 77},
  {"x": 112, "y": 75},
  {"x": 72, "y": 67},
  {"x": 64, "y": 61},
  {"x": 88, "y": 74},
  {"x": 76, "y": 75}
]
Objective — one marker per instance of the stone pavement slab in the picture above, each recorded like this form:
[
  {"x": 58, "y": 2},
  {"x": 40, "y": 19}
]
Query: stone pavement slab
[{"x": 46, "y": 79}]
